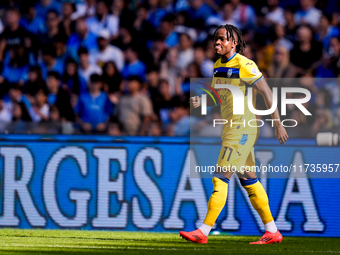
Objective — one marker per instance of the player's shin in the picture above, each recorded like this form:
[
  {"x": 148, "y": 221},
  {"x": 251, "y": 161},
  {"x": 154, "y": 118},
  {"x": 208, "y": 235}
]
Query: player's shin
[
  {"x": 216, "y": 202},
  {"x": 259, "y": 199}
]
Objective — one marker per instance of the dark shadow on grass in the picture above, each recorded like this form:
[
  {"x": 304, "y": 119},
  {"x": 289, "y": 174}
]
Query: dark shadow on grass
[
  {"x": 88, "y": 238},
  {"x": 76, "y": 251},
  {"x": 121, "y": 239}
]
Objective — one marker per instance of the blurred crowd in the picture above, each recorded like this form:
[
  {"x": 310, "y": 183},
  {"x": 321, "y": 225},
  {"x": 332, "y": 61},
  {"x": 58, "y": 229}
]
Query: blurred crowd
[{"x": 124, "y": 67}]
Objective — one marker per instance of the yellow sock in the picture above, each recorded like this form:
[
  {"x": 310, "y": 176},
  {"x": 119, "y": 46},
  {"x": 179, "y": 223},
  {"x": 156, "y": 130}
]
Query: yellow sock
[
  {"x": 258, "y": 198},
  {"x": 217, "y": 199}
]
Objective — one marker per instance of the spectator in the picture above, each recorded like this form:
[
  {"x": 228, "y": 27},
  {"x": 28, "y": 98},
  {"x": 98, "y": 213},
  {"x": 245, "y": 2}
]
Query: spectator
[
  {"x": 183, "y": 81},
  {"x": 94, "y": 107},
  {"x": 31, "y": 22},
  {"x": 167, "y": 30},
  {"x": 325, "y": 31},
  {"x": 333, "y": 88},
  {"x": 180, "y": 119},
  {"x": 154, "y": 129},
  {"x": 186, "y": 52},
  {"x": 16, "y": 70},
  {"x": 59, "y": 97},
  {"x": 67, "y": 24},
  {"x": 103, "y": 20},
  {"x": 81, "y": 38},
  {"x": 20, "y": 113},
  {"x": 223, "y": 17},
  {"x": 152, "y": 78},
  {"x": 125, "y": 38},
  {"x": 1, "y": 27},
  {"x": 85, "y": 9},
  {"x": 112, "y": 80},
  {"x": 322, "y": 100},
  {"x": 169, "y": 70},
  {"x": 49, "y": 62},
  {"x": 249, "y": 52},
  {"x": 306, "y": 51},
  {"x": 183, "y": 19},
  {"x": 71, "y": 80},
  {"x": 34, "y": 82},
  {"x": 163, "y": 103},
  {"x": 243, "y": 14},
  {"x": 281, "y": 66},
  {"x": 5, "y": 113},
  {"x": 86, "y": 69},
  {"x": 62, "y": 53},
  {"x": 114, "y": 129},
  {"x": 106, "y": 52},
  {"x": 144, "y": 29},
  {"x": 158, "y": 49},
  {"x": 199, "y": 10},
  {"x": 156, "y": 13},
  {"x": 334, "y": 52},
  {"x": 13, "y": 35},
  {"x": 280, "y": 38},
  {"x": 206, "y": 65},
  {"x": 323, "y": 121},
  {"x": 54, "y": 114},
  {"x": 308, "y": 14},
  {"x": 134, "y": 109},
  {"x": 15, "y": 95},
  {"x": 40, "y": 108},
  {"x": 290, "y": 27},
  {"x": 326, "y": 68},
  {"x": 275, "y": 14},
  {"x": 43, "y": 6},
  {"x": 133, "y": 66},
  {"x": 52, "y": 28},
  {"x": 119, "y": 8}
]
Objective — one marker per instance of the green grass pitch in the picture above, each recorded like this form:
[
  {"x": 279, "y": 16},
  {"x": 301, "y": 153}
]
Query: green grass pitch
[{"x": 16, "y": 241}]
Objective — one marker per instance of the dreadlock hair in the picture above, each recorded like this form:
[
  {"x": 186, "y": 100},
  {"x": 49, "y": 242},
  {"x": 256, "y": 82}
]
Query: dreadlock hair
[{"x": 233, "y": 32}]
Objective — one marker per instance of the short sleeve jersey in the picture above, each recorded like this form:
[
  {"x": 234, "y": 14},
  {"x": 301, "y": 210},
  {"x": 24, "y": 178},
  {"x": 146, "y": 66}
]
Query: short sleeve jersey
[{"x": 241, "y": 72}]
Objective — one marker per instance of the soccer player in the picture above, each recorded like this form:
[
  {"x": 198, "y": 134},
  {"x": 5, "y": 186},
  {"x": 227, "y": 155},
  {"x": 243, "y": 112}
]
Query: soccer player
[{"x": 238, "y": 140}]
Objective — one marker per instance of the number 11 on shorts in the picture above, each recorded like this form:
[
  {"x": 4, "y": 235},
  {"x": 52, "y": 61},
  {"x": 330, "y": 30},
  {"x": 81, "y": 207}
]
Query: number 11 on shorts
[{"x": 225, "y": 151}]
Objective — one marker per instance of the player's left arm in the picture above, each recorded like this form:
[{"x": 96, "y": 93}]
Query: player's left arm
[
  {"x": 262, "y": 87},
  {"x": 250, "y": 73}
]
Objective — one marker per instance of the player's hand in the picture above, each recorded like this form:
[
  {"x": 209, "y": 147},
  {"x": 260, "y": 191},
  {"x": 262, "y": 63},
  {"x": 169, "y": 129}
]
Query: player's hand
[
  {"x": 281, "y": 134},
  {"x": 195, "y": 101}
]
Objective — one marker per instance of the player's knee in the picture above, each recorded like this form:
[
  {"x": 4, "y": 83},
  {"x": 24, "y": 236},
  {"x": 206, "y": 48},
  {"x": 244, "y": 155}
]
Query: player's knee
[
  {"x": 246, "y": 183},
  {"x": 221, "y": 177}
]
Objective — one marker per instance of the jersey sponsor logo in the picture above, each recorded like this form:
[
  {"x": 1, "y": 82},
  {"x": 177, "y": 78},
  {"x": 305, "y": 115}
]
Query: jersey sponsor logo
[
  {"x": 249, "y": 64},
  {"x": 254, "y": 71},
  {"x": 223, "y": 98},
  {"x": 230, "y": 72}
]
